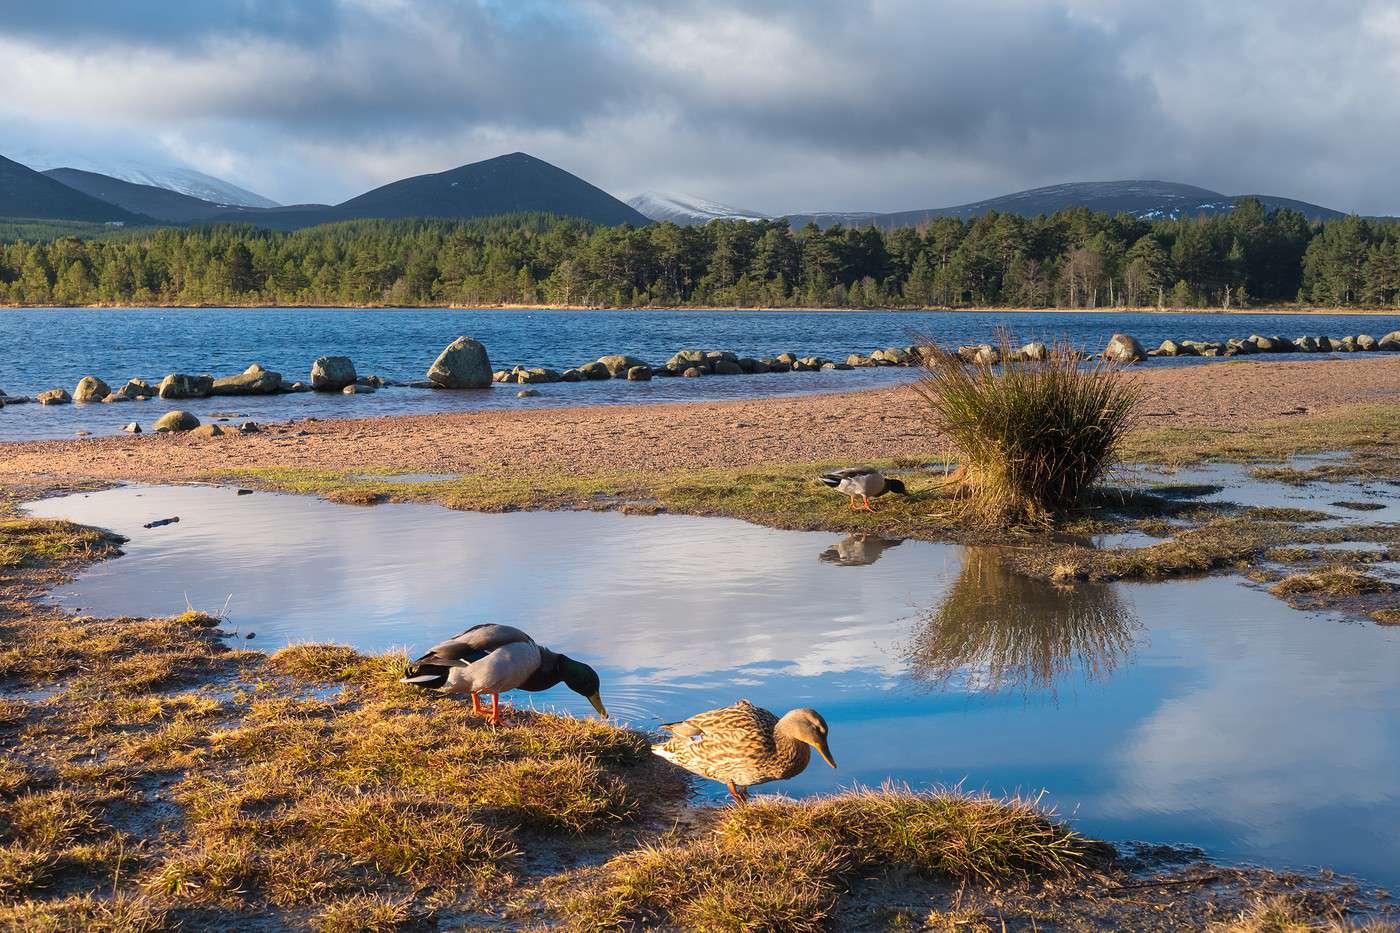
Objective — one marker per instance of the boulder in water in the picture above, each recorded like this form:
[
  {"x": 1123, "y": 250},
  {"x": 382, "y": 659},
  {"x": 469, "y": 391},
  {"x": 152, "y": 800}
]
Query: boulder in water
[
  {"x": 640, "y": 373},
  {"x": 332, "y": 373},
  {"x": 1390, "y": 341},
  {"x": 1124, "y": 348},
  {"x": 252, "y": 381},
  {"x": 183, "y": 385},
  {"x": 619, "y": 363},
  {"x": 462, "y": 364},
  {"x": 1366, "y": 342},
  {"x": 54, "y": 397},
  {"x": 91, "y": 389}
]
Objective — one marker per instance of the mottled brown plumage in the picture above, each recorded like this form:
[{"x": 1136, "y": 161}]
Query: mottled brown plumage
[{"x": 743, "y": 745}]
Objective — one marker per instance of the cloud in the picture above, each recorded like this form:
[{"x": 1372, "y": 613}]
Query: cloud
[{"x": 778, "y": 105}]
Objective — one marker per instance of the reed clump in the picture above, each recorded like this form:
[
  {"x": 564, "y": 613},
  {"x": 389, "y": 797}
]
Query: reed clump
[{"x": 1031, "y": 437}]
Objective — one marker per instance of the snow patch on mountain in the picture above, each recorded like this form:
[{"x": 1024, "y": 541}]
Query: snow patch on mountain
[
  {"x": 687, "y": 210},
  {"x": 188, "y": 181}
]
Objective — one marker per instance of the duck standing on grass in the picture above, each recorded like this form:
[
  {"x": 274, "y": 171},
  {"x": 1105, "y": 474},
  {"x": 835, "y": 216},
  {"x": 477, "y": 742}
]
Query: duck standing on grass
[
  {"x": 862, "y": 482},
  {"x": 743, "y": 745},
  {"x": 495, "y": 659}
]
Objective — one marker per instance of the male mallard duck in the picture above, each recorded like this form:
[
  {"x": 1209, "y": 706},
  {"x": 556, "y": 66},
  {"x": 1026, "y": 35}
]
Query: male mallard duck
[
  {"x": 858, "y": 550},
  {"x": 864, "y": 482},
  {"x": 743, "y": 745},
  {"x": 495, "y": 659}
]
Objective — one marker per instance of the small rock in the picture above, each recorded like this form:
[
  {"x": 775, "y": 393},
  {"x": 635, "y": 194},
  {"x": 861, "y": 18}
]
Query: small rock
[
  {"x": 91, "y": 389},
  {"x": 117, "y": 396},
  {"x": 252, "y": 381},
  {"x": 176, "y": 420},
  {"x": 538, "y": 374},
  {"x": 594, "y": 371},
  {"x": 571, "y": 375},
  {"x": 692, "y": 372},
  {"x": 726, "y": 367},
  {"x": 639, "y": 373},
  {"x": 54, "y": 397},
  {"x": 132, "y": 428},
  {"x": 527, "y": 393},
  {"x": 207, "y": 430},
  {"x": 685, "y": 359},
  {"x": 249, "y": 427},
  {"x": 1366, "y": 342},
  {"x": 243, "y": 492},
  {"x": 332, "y": 373},
  {"x": 1035, "y": 352},
  {"x": 161, "y": 522},
  {"x": 356, "y": 388}
]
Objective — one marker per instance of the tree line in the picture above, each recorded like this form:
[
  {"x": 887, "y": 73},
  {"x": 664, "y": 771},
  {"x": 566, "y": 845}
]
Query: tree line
[{"x": 1073, "y": 258}]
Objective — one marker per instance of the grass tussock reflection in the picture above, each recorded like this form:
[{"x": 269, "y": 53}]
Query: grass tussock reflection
[{"x": 1000, "y": 630}]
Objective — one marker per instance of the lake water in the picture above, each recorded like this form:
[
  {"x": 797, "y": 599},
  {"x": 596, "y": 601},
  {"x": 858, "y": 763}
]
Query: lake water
[
  {"x": 1203, "y": 712},
  {"x": 46, "y": 348}
]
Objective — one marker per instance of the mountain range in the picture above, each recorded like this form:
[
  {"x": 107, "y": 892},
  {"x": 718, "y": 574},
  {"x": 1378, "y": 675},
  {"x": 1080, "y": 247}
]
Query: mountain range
[{"x": 520, "y": 183}]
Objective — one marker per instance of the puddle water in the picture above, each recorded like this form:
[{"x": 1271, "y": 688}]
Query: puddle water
[
  {"x": 1348, "y": 503},
  {"x": 1203, "y": 712}
]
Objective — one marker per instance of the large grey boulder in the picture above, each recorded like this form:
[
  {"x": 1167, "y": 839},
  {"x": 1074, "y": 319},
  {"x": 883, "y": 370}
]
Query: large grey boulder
[
  {"x": 176, "y": 420},
  {"x": 182, "y": 385},
  {"x": 594, "y": 371},
  {"x": 333, "y": 373},
  {"x": 1124, "y": 348},
  {"x": 619, "y": 363},
  {"x": 463, "y": 364},
  {"x": 538, "y": 374},
  {"x": 1390, "y": 341},
  {"x": 252, "y": 381},
  {"x": 1035, "y": 352},
  {"x": 1365, "y": 342},
  {"x": 91, "y": 389}
]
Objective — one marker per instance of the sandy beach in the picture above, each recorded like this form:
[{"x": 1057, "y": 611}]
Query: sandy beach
[{"x": 849, "y": 426}]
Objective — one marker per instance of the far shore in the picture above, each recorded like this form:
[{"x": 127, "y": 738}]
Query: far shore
[{"x": 1268, "y": 310}]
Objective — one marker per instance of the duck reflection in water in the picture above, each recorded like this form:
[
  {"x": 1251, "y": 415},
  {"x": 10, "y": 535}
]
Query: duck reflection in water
[
  {"x": 1003, "y": 631},
  {"x": 858, "y": 550}
]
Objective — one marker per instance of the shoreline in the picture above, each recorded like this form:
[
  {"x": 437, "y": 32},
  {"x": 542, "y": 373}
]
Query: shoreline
[{"x": 931, "y": 309}]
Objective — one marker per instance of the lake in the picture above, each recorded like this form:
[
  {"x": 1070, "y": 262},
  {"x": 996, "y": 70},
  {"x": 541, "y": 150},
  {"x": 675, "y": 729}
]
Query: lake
[
  {"x": 1204, "y": 712},
  {"x": 46, "y": 348}
]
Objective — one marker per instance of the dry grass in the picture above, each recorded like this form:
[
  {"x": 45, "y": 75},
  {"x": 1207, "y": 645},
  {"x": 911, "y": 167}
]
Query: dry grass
[
  {"x": 29, "y": 542},
  {"x": 1295, "y": 914},
  {"x": 1386, "y": 616},
  {"x": 1031, "y": 439},
  {"x": 1334, "y": 581},
  {"x": 362, "y": 913},
  {"x": 779, "y": 865}
]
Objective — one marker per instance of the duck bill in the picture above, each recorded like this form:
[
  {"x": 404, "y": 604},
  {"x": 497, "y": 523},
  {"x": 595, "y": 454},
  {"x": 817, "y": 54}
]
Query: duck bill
[
  {"x": 824, "y": 751},
  {"x": 597, "y": 702}
]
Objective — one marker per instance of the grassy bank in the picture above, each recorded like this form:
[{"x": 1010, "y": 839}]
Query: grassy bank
[{"x": 154, "y": 777}]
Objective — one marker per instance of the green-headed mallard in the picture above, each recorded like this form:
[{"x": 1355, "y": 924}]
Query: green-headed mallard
[
  {"x": 495, "y": 659},
  {"x": 743, "y": 745},
  {"x": 863, "y": 483}
]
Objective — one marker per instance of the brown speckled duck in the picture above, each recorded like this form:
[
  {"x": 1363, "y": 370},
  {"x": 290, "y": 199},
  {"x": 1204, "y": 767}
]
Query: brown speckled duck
[{"x": 743, "y": 745}]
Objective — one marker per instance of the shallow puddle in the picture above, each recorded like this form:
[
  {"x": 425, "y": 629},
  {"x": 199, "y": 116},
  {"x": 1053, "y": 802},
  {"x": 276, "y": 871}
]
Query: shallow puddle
[{"x": 1203, "y": 712}]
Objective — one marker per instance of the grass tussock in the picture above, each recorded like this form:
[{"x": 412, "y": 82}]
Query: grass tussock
[
  {"x": 1337, "y": 580},
  {"x": 87, "y": 913},
  {"x": 1386, "y": 616},
  {"x": 326, "y": 663},
  {"x": 778, "y": 865},
  {"x": 1031, "y": 439},
  {"x": 30, "y": 542},
  {"x": 1295, "y": 913},
  {"x": 362, "y": 913}
]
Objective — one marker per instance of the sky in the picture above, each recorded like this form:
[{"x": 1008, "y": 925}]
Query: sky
[{"x": 772, "y": 105}]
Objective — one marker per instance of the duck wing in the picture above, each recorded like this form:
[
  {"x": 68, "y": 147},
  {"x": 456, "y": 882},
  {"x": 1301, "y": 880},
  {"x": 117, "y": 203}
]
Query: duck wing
[
  {"x": 498, "y": 671},
  {"x": 722, "y": 744},
  {"x": 473, "y": 644},
  {"x": 854, "y": 474}
]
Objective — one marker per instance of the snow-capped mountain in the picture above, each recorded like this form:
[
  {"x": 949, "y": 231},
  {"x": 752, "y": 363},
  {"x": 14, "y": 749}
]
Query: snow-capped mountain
[
  {"x": 687, "y": 210},
  {"x": 171, "y": 177}
]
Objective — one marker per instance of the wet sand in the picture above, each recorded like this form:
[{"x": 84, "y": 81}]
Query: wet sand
[{"x": 841, "y": 427}]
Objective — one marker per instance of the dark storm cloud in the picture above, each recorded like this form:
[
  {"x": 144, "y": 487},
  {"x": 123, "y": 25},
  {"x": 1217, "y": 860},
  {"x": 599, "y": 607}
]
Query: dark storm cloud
[{"x": 775, "y": 104}]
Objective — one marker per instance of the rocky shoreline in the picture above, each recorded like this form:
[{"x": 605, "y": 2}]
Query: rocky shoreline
[{"x": 465, "y": 365}]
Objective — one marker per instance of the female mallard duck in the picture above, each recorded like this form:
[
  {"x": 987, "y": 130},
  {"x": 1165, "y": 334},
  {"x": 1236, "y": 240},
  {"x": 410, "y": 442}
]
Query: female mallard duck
[
  {"x": 862, "y": 482},
  {"x": 743, "y": 745},
  {"x": 495, "y": 659}
]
